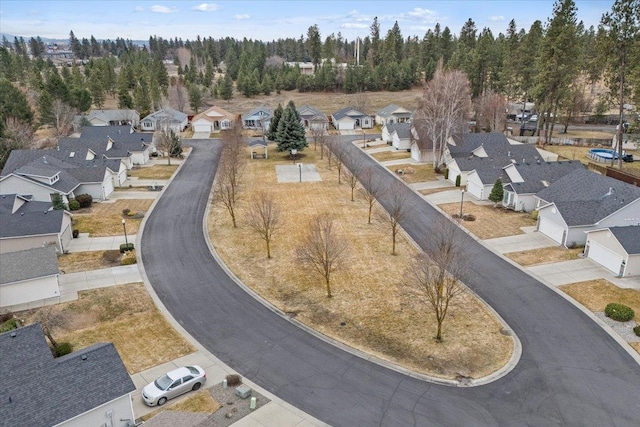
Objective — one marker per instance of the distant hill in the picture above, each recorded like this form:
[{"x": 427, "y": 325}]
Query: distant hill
[{"x": 48, "y": 40}]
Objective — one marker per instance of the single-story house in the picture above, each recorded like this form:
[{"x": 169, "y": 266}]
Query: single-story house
[
  {"x": 256, "y": 146},
  {"x": 312, "y": 118},
  {"x": 392, "y": 113},
  {"x": 30, "y": 224},
  {"x": 423, "y": 149},
  {"x": 165, "y": 119},
  {"x": 616, "y": 249},
  {"x": 28, "y": 277},
  {"x": 215, "y": 119},
  {"x": 398, "y": 135},
  {"x": 349, "y": 118},
  {"x": 525, "y": 180},
  {"x": 87, "y": 387},
  {"x": 583, "y": 201},
  {"x": 258, "y": 118},
  {"x": 107, "y": 118}
]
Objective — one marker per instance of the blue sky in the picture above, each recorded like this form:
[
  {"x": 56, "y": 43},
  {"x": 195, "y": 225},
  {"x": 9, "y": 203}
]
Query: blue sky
[{"x": 268, "y": 20}]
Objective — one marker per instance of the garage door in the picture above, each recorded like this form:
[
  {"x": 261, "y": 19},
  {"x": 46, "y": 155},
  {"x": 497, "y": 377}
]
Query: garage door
[
  {"x": 108, "y": 188},
  {"x": 551, "y": 230},
  {"x": 605, "y": 257},
  {"x": 202, "y": 127},
  {"x": 475, "y": 189}
]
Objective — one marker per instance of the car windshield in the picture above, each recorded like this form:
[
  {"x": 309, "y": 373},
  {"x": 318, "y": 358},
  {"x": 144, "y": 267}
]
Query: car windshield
[
  {"x": 193, "y": 370},
  {"x": 163, "y": 382}
]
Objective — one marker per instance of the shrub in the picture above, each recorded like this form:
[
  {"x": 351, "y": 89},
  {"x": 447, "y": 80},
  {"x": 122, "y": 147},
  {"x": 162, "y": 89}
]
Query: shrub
[
  {"x": 619, "y": 312},
  {"x": 234, "y": 380},
  {"x": 85, "y": 200},
  {"x": 9, "y": 325},
  {"x": 126, "y": 247},
  {"x": 446, "y": 173},
  {"x": 458, "y": 181},
  {"x": 126, "y": 211},
  {"x": 75, "y": 233},
  {"x": 62, "y": 349},
  {"x": 637, "y": 330},
  {"x": 74, "y": 205},
  {"x": 131, "y": 213},
  {"x": 128, "y": 258},
  {"x": 534, "y": 215}
]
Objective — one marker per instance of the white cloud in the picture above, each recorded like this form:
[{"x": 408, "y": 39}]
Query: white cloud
[
  {"x": 241, "y": 17},
  {"x": 420, "y": 13},
  {"x": 138, "y": 9},
  {"x": 496, "y": 18},
  {"x": 163, "y": 9},
  {"x": 354, "y": 25},
  {"x": 206, "y": 7}
]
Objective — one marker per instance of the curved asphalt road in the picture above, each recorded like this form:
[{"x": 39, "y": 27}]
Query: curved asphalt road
[{"x": 571, "y": 371}]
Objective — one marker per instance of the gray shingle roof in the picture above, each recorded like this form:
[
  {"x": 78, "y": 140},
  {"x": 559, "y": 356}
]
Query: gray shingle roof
[
  {"x": 7, "y": 202},
  {"x": 47, "y": 391},
  {"x": 629, "y": 238},
  {"x": 492, "y": 142},
  {"x": 28, "y": 264},
  {"x": 170, "y": 114},
  {"x": 28, "y": 223},
  {"x": 343, "y": 113},
  {"x": 390, "y": 109},
  {"x": 490, "y": 168},
  {"x": 584, "y": 197},
  {"x": 535, "y": 175},
  {"x": 310, "y": 113},
  {"x": 256, "y": 110},
  {"x": 403, "y": 129}
]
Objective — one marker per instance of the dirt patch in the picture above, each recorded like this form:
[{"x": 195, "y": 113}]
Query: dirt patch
[
  {"x": 105, "y": 219},
  {"x": 544, "y": 255},
  {"x": 596, "y": 294},
  {"x": 490, "y": 222},
  {"x": 154, "y": 172},
  {"x": 369, "y": 309},
  {"x": 85, "y": 261},
  {"x": 124, "y": 315}
]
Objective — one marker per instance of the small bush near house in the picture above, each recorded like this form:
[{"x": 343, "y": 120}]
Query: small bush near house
[
  {"x": 637, "y": 330},
  {"x": 619, "y": 312},
  {"x": 62, "y": 349},
  {"x": 458, "y": 181},
  {"x": 74, "y": 205},
  {"x": 446, "y": 173},
  {"x": 126, "y": 211},
  {"x": 9, "y": 325},
  {"x": 75, "y": 233},
  {"x": 128, "y": 258},
  {"x": 234, "y": 380},
  {"x": 534, "y": 215},
  {"x": 126, "y": 247},
  {"x": 85, "y": 200}
]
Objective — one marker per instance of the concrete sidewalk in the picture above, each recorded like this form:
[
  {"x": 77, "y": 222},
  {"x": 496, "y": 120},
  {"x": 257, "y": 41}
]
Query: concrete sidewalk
[
  {"x": 84, "y": 243},
  {"x": 72, "y": 283}
]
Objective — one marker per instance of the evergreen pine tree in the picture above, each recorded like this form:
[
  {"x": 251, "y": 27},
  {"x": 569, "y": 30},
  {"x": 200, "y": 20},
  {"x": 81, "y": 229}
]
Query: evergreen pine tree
[
  {"x": 290, "y": 134},
  {"x": 226, "y": 88},
  {"x": 275, "y": 120},
  {"x": 497, "y": 192}
]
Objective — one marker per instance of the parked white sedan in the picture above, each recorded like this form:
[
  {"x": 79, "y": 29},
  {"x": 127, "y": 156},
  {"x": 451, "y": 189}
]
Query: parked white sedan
[{"x": 173, "y": 384}]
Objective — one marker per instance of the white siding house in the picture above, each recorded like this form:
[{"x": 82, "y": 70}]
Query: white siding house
[{"x": 616, "y": 249}]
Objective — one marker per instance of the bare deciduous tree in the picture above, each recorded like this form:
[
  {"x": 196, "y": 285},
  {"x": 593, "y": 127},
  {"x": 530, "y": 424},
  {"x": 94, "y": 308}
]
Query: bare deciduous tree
[
  {"x": 328, "y": 144},
  {"x": 323, "y": 248},
  {"x": 167, "y": 141},
  {"x": 492, "y": 112},
  {"x": 341, "y": 155},
  {"x": 371, "y": 188},
  {"x": 434, "y": 276},
  {"x": 264, "y": 217},
  {"x": 361, "y": 101},
  {"x": 178, "y": 94},
  {"x": 50, "y": 319},
  {"x": 231, "y": 164},
  {"x": 318, "y": 133},
  {"x": 352, "y": 172},
  {"x": 398, "y": 210},
  {"x": 443, "y": 110},
  {"x": 17, "y": 136},
  {"x": 63, "y": 117}
]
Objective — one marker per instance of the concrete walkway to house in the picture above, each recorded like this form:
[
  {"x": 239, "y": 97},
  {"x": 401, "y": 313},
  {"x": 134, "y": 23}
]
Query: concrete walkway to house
[
  {"x": 84, "y": 243},
  {"x": 580, "y": 270},
  {"x": 381, "y": 149},
  {"x": 440, "y": 182},
  {"x": 72, "y": 283},
  {"x": 407, "y": 161},
  {"x": 530, "y": 240},
  {"x": 132, "y": 195}
]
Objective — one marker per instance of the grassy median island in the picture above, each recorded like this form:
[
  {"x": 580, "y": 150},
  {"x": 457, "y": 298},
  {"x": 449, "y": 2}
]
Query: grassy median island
[{"x": 369, "y": 310}]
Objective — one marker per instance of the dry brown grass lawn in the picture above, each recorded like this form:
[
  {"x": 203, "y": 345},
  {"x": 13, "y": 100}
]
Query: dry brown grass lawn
[
  {"x": 105, "y": 219},
  {"x": 201, "y": 402},
  {"x": 490, "y": 222},
  {"x": 420, "y": 173},
  {"x": 391, "y": 155},
  {"x": 596, "y": 294},
  {"x": 635, "y": 345},
  {"x": 369, "y": 309},
  {"x": 544, "y": 255},
  {"x": 85, "y": 261},
  {"x": 154, "y": 172},
  {"x": 126, "y": 316}
]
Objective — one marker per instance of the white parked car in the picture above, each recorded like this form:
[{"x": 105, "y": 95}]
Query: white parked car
[{"x": 173, "y": 384}]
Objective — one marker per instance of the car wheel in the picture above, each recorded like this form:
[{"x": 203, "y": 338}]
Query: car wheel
[
  {"x": 162, "y": 401},
  {"x": 196, "y": 386}
]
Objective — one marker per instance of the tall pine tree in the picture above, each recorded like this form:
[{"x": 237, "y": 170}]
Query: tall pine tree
[{"x": 290, "y": 134}]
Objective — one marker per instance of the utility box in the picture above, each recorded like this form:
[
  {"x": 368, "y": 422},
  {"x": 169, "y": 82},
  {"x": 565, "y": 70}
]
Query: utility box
[{"x": 243, "y": 391}]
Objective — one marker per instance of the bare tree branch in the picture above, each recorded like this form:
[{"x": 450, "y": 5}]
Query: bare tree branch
[
  {"x": 264, "y": 217},
  {"x": 232, "y": 162},
  {"x": 398, "y": 210},
  {"x": 63, "y": 117},
  {"x": 322, "y": 248},
  {"x": 371, "y": 189}
]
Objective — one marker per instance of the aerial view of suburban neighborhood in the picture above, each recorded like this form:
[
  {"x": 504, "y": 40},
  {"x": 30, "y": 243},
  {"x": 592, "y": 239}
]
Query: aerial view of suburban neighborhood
[{"x": 319, "y": 213}]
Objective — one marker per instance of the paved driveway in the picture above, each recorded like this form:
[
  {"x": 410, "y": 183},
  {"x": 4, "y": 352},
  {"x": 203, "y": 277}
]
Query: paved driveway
[
  {"x": 580, "y": 270},
  {"x": 200, "y": 135},
  {"x": 571, "y": 371},
  {"x": 520, "y": 242}
]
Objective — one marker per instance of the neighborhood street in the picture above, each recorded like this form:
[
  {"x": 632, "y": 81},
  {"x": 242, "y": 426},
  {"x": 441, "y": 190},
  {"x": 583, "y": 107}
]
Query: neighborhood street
[{"x": 571, "y": 372}]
